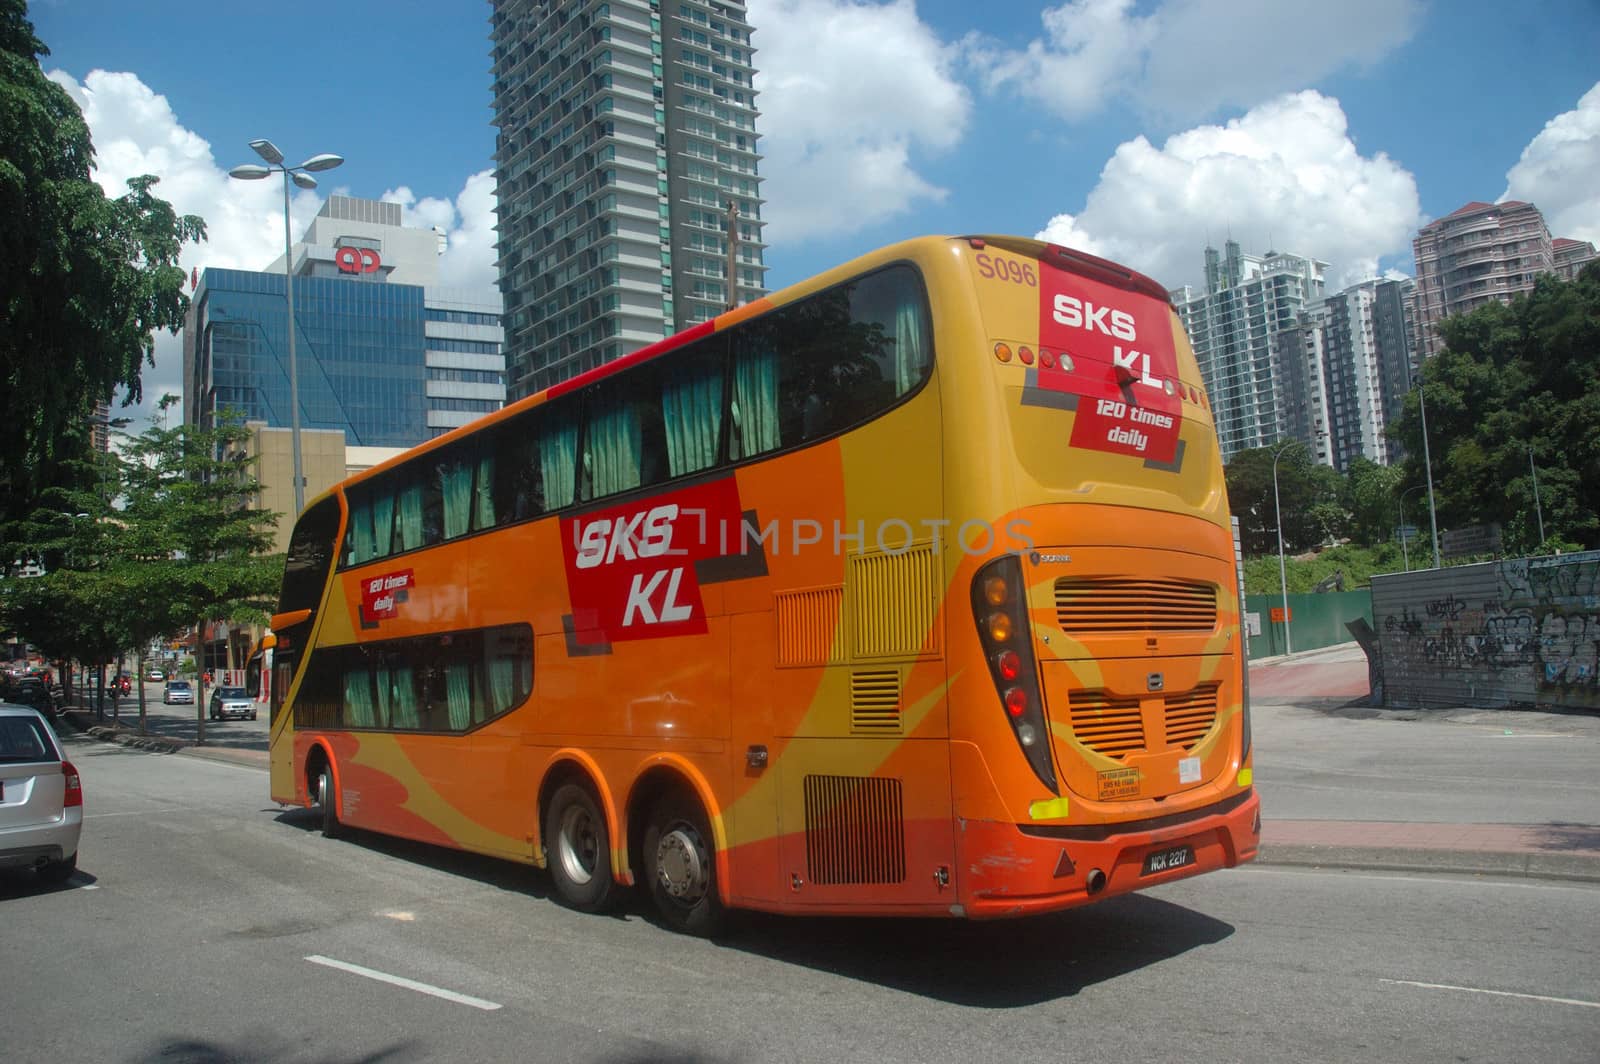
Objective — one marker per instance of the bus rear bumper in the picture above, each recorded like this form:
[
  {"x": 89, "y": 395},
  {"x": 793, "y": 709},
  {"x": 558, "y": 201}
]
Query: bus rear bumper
[{"x": 1021, "y": 870}]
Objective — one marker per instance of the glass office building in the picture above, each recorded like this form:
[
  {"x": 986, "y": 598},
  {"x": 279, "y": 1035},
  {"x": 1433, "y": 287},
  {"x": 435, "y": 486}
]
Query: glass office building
[
  {"x": 359, "y": 351},
  {"x": 385, "y": 354}
]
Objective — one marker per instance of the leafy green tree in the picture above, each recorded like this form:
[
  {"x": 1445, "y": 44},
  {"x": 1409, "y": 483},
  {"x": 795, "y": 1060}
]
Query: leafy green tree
[
  {"x": 200, "y": 537},
  {"x": 1515, "y": 394},
  {"x": 185, "y": 544},
  {"x": 1373, "y": 494},
  {"x": 84, "y": 280},
  {"x": 1311, "y": 496}
]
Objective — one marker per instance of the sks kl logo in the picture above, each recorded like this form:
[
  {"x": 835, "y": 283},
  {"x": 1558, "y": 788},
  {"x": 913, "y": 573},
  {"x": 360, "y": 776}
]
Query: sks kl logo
[
  {"x": 1125, "y": 387},
  {"x": 357, "y": 260},
  {"x": 632, "y": 570}
]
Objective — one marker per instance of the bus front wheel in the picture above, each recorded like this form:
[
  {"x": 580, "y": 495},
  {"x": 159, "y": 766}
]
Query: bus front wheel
[
  {"x": 680, "y": 860},
  {"x": 578, "y": 849}
]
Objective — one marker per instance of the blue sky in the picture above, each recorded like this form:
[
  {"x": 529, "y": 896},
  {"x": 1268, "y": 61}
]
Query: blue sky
[{"x": 1138, "y": 129}]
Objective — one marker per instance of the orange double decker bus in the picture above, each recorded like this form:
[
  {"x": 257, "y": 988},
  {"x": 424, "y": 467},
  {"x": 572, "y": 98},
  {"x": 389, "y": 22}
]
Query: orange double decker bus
[{"x": 910, "y": 589}]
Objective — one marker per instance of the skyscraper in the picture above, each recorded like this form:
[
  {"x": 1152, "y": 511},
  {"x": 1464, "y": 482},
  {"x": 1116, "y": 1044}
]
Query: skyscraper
[
  {"x": 627, "y": 129},
  {"x": 1238, "y": 327},
  {"x": 1475, "y": 255}
]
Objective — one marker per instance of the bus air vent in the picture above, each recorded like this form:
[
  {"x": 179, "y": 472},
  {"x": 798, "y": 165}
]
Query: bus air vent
[
  {"x": 808, "y": 623},
  {"x": 855, "y": 830},
  {"x": 1129, "y": 604},
  {"x": 894, "y": 599},
  {"x": 875, "y": 700},
  {"x": 1190, "y": 716},
  {"x": 1110, "y": 726}
]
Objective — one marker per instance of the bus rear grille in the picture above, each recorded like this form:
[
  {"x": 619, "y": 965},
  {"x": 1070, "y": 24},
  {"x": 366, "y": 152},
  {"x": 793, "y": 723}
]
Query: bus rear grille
[
  {"x": 1191, "y": 715},
  {"x": 1107, "y": 725},
  {"x": 1127, "y": 604},
  {"x": 855, "y": 830},
  {"x": 875, "y": 700},
  {"x": 894, "y": 600}
]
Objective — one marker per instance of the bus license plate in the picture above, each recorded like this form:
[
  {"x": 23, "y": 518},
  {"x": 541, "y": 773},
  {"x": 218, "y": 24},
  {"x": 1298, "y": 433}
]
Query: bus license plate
[{"x": 1167, "y": 860}]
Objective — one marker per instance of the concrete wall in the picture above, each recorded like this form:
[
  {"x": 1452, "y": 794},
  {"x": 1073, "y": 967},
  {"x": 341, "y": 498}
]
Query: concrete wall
[{"x": 1518, "y": 631}]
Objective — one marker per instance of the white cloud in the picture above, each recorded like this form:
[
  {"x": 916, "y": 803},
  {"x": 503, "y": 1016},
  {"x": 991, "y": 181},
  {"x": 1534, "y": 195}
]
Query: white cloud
[
  {"x": 136, "y": 132},
  {"x": 1285, "y": 176},
  {"x": 1188, "y": 58},
  {"x": 468, "y": 224},
  {"x": 850, "y": 93},
  {"x": 1557, "y": 171}
]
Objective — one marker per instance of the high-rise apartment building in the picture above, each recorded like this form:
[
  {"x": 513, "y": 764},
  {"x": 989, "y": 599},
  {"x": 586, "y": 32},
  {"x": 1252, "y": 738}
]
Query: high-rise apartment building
[
  {"x": 1237, "y": 328},
  {"x": 1571, "y": 256},
  {"x": 1479, "y": 254},
  {"x": 627, "y": 128}
]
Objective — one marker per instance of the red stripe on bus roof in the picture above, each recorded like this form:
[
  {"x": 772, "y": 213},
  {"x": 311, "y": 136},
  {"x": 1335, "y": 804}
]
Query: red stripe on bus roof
[{"x": 644, "y": 354}]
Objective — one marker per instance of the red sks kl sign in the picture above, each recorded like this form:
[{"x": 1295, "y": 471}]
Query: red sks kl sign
[
  {"x": 1126, "y": 364},
  {"x": 357, "y": 260},
  {"x": 631, "y": 569}
]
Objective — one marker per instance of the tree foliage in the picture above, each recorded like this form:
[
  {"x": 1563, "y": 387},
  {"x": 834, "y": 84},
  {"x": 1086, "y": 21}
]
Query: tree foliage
[
  {"x": 168, "y": 538},
  {"x": 1312, "y": 498},
  {"x": 1514, "y": 395},
  {"x": 84, "y": 280}
]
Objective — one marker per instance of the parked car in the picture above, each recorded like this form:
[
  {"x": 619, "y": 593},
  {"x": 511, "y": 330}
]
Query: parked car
[
  {"x": 32, "y": 691},
  {"x": 178, "y": 693},
  {"x": 41, "y": 797},
  {"x": 232, "y": 702}
]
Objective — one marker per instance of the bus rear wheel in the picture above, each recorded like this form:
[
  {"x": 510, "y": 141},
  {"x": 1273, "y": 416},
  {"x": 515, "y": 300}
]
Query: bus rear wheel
[
  {"x": 328, "y": 799},
  {"x": 680, "y": 859},
  {"x": 578, "y": 849}
]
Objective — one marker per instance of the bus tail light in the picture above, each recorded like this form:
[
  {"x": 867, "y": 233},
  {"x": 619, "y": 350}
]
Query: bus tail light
[{"x": 1000, "y": 610}]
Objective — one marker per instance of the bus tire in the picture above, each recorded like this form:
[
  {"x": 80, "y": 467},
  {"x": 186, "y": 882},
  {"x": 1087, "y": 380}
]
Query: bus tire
[
  {"x": 680, "y": 864},
  {"x": 578, "y": 849},
  {"x": 328, "y": 799}
]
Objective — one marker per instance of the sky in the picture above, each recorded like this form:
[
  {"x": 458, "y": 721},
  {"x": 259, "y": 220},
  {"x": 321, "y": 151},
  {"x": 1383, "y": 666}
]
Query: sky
[{"x": 1140, "y": 130}]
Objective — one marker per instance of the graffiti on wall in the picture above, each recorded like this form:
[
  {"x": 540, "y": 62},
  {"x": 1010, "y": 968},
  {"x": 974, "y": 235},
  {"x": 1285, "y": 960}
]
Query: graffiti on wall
[{"x": 1534, "y": 637}]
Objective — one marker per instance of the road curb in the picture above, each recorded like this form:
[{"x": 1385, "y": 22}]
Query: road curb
[{"x": 1578, "y": 867}]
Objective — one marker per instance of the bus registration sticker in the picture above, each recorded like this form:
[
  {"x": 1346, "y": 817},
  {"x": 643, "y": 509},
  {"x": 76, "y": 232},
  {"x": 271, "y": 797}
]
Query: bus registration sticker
[
  {"x": 1119, "y": 783},
  {"x": 1123, "y": 364}
]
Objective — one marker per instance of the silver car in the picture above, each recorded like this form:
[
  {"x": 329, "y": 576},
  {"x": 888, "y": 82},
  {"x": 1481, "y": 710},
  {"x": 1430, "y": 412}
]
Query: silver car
[
  {"x": 232, "y": 702},
  {"x": 41, "y": 797}
]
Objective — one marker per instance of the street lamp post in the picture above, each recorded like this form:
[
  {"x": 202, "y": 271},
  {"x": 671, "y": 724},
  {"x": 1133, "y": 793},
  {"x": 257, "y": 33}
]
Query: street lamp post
[
  {"x": 301, "y": 176},
  {"x": 1537, "y": 508},
  {"x": 1427, "y": 459},
  {"x": 1283, "y": 579}
]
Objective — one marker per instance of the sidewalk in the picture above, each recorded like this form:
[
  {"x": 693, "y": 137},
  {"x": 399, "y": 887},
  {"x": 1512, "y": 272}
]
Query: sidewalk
[
  {"x": 125, "y": 732},
  {"x": 1336, "y": 753}
]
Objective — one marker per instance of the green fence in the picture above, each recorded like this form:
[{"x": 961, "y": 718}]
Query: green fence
[{"x": 1315, "y": 620}]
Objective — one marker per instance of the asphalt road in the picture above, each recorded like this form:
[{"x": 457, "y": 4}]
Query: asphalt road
[{"x": 207, "y": 925}]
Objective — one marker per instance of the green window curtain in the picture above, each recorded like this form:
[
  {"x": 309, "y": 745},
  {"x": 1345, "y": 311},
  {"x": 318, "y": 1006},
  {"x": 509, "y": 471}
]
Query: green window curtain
[
  {"x": 910, "y": 347},
  {"x": 502, "y": 682},
  {"x": 614, "y": 449},
  {"x": 455, "y": 478},
  {"x": 691, "y": 411},
  {"x": 458, "y": 691},
  {"x": 558, "y": 464},
  {"x": 358, "y": 698},
  {"x": 410, "y": 520},
  {"x": 383, "y": 715},
  {"x": 755, "y": 403},
  {"x": 383, "y": 524},
  {"x": 361, "y": 544},
  {"x": 483, "y": 494},
  {"x": 404, "y": 705}
]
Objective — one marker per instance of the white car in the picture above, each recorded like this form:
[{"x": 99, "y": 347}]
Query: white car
[
  {"x": 178, "y": 693},
  {"x": 41, "y": 797}
]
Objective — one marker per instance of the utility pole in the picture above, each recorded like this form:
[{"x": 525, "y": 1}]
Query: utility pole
[
  {"x": 733, "y": 254},
  {"x": 1536, "y": 507}
]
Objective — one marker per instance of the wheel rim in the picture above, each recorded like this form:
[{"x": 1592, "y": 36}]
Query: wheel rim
[
  {"x": 324, "y": 785},
  {"x": 578, "y": 845},
  {"x": 683, "y": 866}
]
